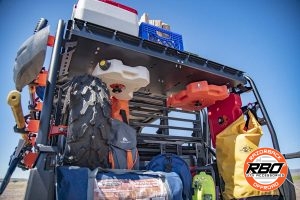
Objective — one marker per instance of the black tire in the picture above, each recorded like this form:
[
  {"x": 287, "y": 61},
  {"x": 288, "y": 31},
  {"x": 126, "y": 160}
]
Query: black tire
[{"x": 89, "y": 123}]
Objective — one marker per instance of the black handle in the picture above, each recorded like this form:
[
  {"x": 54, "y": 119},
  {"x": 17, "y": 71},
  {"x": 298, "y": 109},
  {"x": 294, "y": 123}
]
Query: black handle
[{"x": 42, "y": 23}]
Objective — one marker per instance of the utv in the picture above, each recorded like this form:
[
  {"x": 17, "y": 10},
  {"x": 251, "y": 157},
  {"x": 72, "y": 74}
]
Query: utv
[{"x": 175, "y": 101}]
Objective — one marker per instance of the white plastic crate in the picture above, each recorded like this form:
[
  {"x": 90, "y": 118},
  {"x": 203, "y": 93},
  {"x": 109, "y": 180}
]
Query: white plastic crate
[{"x": 109, "y": 14}]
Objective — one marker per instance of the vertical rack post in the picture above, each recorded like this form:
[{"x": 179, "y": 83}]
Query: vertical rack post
[
  {"x": 264, "y": 113},
  {"x": 41, "y": 182}
]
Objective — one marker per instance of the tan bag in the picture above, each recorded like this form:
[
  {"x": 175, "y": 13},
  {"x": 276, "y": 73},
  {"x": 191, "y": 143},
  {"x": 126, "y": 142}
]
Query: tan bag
[{"x": 233, "y": 145}]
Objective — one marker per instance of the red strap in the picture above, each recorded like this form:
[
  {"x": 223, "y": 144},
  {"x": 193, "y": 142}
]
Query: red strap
[
  {"x": 129, "y": 159},
  {"x": 111, "y": 160}
]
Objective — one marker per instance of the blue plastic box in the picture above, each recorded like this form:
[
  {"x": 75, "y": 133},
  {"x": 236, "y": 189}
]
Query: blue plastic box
[{"x": 161, "y": 36}]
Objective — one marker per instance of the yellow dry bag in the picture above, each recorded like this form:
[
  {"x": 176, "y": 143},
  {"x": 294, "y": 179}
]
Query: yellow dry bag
[{"x": 233, "y": 145}]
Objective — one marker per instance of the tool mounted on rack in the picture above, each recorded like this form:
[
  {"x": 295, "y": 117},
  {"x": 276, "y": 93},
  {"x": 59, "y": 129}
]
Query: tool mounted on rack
[{"x": 28, "y": 71}]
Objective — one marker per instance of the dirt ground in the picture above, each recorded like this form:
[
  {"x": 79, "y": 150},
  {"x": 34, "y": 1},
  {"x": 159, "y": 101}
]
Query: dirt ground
[{"x": 16, "y": 190}]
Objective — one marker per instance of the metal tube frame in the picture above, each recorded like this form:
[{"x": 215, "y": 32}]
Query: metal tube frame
[
  {"x": 41, "y": 183},
  {"x": 264, "y": 113},
  {"x": 51, "y": 84},
  {"x": 287, "y": 189}
]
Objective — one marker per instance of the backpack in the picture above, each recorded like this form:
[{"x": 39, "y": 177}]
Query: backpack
[
  {"x": 123, "y": 153},
  {"x": 87, "y": 105},
  {"x": 173, "y": 163}
]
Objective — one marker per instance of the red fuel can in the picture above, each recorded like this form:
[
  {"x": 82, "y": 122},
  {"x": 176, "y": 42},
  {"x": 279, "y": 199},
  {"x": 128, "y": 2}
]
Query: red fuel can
[{"x": 223, "y": 113}]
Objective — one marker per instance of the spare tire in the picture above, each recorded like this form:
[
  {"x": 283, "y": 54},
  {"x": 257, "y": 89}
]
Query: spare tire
[{"x": 89, "y": 123}]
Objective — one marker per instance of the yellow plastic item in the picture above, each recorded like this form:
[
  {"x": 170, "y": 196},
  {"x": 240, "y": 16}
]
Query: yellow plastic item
[
  {"x": 14, "y": 100},
  {"x": 233, "y": 145}
]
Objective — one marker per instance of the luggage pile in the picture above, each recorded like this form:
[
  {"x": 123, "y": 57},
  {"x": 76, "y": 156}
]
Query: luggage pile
[{"x": 101, "y": 153}]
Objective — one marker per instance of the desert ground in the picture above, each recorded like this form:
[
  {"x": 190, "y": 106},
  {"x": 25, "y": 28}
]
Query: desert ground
[{"x": 15, "y": 190}]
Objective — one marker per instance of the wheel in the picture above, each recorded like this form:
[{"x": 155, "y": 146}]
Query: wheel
[{"x": 89, "y": 123}]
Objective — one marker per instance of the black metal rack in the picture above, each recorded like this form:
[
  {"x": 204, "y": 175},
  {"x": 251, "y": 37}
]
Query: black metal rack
[
  {"x": 160, "y": 131},
  {"x": 87, "y": 44}
]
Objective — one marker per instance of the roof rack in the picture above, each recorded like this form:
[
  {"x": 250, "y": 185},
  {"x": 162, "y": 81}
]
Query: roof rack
[{"x": 88, "y": 43}]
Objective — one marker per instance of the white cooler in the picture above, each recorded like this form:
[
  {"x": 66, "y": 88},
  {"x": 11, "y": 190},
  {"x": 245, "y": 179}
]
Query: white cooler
[
  {"x": 122, "y": 80},
  {"x": 109, "y": 14}
]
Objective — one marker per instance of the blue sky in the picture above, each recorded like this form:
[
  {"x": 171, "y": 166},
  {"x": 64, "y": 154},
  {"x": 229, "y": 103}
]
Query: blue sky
[{"x": 259, "y": 37}]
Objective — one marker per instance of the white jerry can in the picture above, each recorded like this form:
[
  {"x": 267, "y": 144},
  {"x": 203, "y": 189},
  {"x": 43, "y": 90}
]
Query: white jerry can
[{"x": 122, "y": 80}]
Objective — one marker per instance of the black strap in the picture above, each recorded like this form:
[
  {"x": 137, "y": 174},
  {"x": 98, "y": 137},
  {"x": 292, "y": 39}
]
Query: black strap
[
  {"x": 124, "y": 116},
  {"x": 168, "y": 163},
  {"x": 253, "y": 107}
]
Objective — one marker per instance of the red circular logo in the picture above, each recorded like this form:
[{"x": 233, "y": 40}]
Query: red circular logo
[{"x": 265, "y": 169}]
